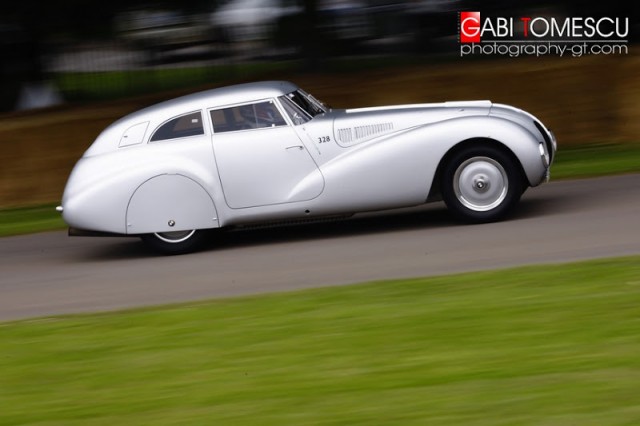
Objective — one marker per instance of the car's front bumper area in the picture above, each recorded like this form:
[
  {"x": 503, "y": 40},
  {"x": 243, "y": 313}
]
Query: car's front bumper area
[{"x": 547, "y": 148}]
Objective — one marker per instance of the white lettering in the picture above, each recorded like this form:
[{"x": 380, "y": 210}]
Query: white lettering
[
  {"x": 487, "y": 27},
  {"x": 504, "y": 27},
  {"x": 563, "y": 31},
  {"x": 576, "y": 24},
  {"x": 542, "y": 29},
  {"x": 474, "y": 28},
  {"x": 626, "y": 28}
]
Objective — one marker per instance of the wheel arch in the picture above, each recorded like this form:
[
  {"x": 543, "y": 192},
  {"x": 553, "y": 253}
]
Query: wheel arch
[
  {"x": 170, "y": 202},
  {"x": 434, "y": 193}
]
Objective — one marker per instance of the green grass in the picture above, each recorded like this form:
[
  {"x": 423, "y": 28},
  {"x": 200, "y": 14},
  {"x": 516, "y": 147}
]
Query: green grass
[
  {"x": 574, "y": 162},
  {"x": 544, "y": 345},
  {"x": 30, "y": 219},
  {"x": 596, "y": 160}
]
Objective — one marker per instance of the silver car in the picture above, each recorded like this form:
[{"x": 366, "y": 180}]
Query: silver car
[{"x": 268, "y": 152}]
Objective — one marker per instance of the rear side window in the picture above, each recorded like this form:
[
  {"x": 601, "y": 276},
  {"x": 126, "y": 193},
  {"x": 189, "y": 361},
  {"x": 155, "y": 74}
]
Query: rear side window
[
  {"x": 251, "y": 116},
  {"x": 180, "y": 127}
]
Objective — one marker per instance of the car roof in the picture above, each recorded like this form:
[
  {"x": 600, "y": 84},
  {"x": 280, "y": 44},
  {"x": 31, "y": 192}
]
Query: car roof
[
  {"x": 222, "y": 96},
  {"x": 156, "y": 114}
]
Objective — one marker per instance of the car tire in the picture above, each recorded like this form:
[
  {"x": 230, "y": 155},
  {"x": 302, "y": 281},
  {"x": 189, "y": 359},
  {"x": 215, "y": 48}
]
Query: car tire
[
  {"x": 481, "y": 184},
  {"x": 175, "y": 242}
]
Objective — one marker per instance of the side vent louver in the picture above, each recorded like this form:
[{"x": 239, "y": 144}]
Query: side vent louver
[
  {"x": 345, "y": 135},
  {"x": 357, "y": 134}
]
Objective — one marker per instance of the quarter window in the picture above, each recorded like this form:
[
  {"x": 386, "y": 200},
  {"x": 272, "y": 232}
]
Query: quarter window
[
  {"x": 296, "y": 114},
  {"x": 251, "y": 116},
  {"x": 180, "y": 127}
]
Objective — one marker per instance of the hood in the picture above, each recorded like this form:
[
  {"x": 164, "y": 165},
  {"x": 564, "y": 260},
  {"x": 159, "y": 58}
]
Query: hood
[{"x": 355, "y": 126}]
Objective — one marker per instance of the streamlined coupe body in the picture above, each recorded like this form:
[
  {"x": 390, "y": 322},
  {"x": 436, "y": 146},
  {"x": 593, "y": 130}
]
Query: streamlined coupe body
[{"x": 268, "y": 152}]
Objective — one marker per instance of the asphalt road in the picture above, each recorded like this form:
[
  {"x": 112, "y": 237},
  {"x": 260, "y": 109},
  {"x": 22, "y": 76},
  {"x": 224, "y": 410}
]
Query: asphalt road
[{"x": 50, "y": 273}]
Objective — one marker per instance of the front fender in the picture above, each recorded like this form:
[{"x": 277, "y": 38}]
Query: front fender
[
  {"x": 523, "y": 142},
  {"x": 399, "y": 168},
  {"x": 440, "y": 138}
]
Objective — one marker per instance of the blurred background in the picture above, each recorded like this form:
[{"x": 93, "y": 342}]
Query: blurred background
[{"x": 69, "y": 68}]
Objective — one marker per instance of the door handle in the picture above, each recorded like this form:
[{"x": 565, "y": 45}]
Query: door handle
[{"x": 299, "y": 147}]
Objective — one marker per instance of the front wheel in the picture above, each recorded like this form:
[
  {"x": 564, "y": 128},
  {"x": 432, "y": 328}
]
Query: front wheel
[
  {"x": 481, "y": 184},
  {"x": 174, "y": 242}
]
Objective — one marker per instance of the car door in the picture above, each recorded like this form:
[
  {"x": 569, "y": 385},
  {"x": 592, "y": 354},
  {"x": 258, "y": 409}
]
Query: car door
[{"x": 260, "y": 159}]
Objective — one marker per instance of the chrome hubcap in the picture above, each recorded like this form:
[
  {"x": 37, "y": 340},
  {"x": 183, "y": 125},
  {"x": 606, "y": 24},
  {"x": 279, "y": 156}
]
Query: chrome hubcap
[
  {"x": 481, "y": 184},
  {"x": 175, "y": 236}
]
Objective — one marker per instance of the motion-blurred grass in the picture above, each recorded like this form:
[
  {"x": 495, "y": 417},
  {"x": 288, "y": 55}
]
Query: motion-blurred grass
[
  {"x": 572, "y": 162},
  {"x": 593, "y": 160},
  {"x": 30, "y": 219},
  {"x": 535, "y": 345}
]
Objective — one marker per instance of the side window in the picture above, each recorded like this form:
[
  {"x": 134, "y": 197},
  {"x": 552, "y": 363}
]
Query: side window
[
  {"x": 180, "y": 127},
  {"x": 252, "y": 116},
  {"x": 295, "y": 113}
]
